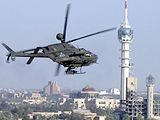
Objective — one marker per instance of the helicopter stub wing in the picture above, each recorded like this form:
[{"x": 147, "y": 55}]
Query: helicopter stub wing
[{"x": 31, "y": 58}]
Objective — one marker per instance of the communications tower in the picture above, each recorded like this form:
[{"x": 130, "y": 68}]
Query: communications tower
[{"x": 125, "y": 35}]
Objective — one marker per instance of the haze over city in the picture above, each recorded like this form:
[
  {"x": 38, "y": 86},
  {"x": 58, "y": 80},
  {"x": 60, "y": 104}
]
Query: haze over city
[{"x": 28, "y": 24}]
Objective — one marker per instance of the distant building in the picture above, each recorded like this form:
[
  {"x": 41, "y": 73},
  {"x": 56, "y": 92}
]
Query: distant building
[
  {"x": 52, "y": 88},
  {"x": 55, "y": 88},
  {"x": 45, "y": 114},
  {"x": 152, "y": 102},
  {"x": 104, "y": 103},
  {"x": 114, "y": 91},
  {"x": 104, "y": 92},
  {"x": 134, "y": 105},
  {"x": 150, "y": 85},
  {"x": 156, "y": 108},
  {"x": 35, "y": 98},
  {"x": 85, "y": 114},
  {"x": 47, "y": 88},
  {"x": 79, "y": 103},
  {"x": 18, "y": 95},
  {"x": 89, "y": 92}
]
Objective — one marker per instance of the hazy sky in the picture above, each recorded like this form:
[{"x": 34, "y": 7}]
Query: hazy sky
[{"x": 30, "y": 23}]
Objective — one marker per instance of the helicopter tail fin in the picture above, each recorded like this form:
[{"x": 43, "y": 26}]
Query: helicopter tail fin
[
  {"x": 8, "y": 48},
  {"x": 11, "y": 53}
]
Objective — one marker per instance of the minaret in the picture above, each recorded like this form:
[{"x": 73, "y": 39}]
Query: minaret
[
  {"x": 125, "y": 35},
  {"x": 150, "y": 86}
]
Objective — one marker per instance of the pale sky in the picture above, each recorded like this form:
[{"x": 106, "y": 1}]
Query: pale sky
[{"x": 27, "y": 24}]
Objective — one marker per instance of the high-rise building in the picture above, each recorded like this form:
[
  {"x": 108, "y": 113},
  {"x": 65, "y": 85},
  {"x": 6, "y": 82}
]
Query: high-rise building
[
  {"x": 47, "y": 88},
  {"x": 134, "y": 104},
  {"x": 55, "y": 88},
  {"x": 52, "y": 88}
]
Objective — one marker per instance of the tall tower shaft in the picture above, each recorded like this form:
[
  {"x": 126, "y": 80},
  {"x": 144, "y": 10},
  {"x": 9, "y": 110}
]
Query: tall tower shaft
[{"x": 125, "y": 35}]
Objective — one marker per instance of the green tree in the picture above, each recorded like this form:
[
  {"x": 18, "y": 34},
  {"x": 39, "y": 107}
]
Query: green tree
[
  {"x": 139, "y": 117},
  {"x": 25, "y": 118},
  {"x": 7, "y": 116},
  {"x": 126, "y": 117}
]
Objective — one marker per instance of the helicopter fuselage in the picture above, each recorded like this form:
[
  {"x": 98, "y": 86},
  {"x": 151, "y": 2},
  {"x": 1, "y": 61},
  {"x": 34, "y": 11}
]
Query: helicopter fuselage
[
  {"x": 70, "y": 56},
  {"x": 63, "y": 53}
]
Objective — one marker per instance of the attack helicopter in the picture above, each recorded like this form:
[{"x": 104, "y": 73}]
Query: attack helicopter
[{"x": 63, "y": 53}]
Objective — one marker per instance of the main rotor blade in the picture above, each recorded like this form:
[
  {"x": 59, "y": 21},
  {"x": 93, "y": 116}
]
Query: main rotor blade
[
  {"x": 107, "y": 30},
  {"x": 57, "y": 69},
  {"x": 66, "y": 21}
]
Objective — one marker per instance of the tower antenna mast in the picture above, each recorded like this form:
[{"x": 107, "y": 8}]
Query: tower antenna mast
[{"x": 126, "y": 14}]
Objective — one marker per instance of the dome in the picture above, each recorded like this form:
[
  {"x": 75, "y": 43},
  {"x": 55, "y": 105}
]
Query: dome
[{"x": 88, "y": 88}]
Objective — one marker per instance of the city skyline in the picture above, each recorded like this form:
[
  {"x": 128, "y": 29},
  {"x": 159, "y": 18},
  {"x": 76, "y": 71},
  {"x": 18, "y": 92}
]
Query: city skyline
[{"x": 27, "y": 24}]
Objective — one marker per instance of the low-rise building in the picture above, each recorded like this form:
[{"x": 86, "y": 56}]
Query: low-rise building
[
  {"x": 104, "y": 103},
  {"x": 114, "y": 91},
  {"x": 46, "y": 114},
  {"x": 35, "y": 98},
  {"x": 87, "y": 92},
  {"x": 79, "y": 103},
  {"x": 85, "y": 114}
]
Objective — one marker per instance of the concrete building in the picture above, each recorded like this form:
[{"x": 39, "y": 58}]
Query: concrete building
[
  {"x": 45, "y": 114},
  {"x": 79, "y": 103},
  {"x": 89, "y": 92},
  {"x": 55, "y": 88},
  {"x": 156, "y": 106},
  {"x": 47, "y": 88},
  {"x": 114, "y": 91},
  {"x": 52, "y": 88},
  {"x": 35, "y": 98},
  {"x": 85, "y": 114},
  {"x": 134, "y": 104},
  {"x": 104, "y": 103}
]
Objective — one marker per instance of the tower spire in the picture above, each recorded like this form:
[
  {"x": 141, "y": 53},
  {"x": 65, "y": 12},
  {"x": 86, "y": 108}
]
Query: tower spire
[{"x": 126, "y": 14}]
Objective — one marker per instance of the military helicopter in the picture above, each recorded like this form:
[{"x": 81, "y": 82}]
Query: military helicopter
[{"x": 62, "y": 53}]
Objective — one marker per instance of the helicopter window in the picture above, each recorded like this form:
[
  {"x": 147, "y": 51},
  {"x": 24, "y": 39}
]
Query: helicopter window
[
  {"x": 82, "y": 49},
  {"x": 71, "y": 46}
]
